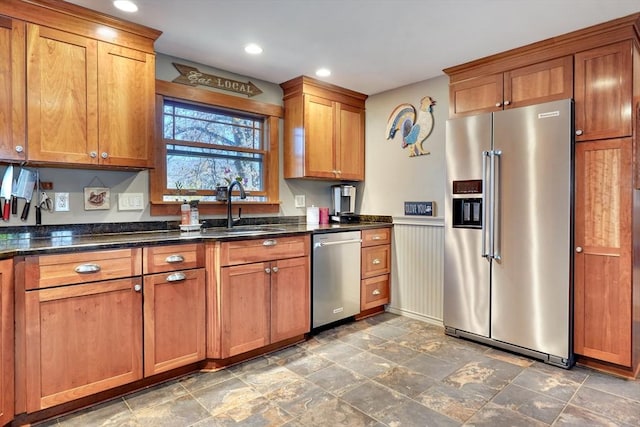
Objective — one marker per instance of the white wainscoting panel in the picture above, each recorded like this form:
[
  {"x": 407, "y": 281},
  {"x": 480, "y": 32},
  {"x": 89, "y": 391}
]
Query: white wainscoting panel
[{"x": 417, "y": 268}]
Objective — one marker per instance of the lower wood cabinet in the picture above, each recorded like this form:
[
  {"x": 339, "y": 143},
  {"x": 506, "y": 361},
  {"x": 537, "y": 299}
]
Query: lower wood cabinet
[
  {"x": 375, "y": 268},
  {"x": 6, "y": 342},
  {"x": 93, "y": 321},
  {"x": 263, "y": 302},
  {"x": 603, "y": 305}
]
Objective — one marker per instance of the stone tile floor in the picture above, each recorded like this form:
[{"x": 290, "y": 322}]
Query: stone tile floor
[{"x": 383, "y": 371}]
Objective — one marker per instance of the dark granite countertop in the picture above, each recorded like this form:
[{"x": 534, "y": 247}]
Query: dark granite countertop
[{"x": 22, "y": 241}]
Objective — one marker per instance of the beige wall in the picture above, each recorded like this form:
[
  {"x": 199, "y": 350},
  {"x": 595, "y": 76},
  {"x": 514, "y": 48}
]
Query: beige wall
[{"x": 391, "y": 176}]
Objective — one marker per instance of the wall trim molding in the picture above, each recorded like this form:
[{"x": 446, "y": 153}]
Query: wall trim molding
[
  {"x": 413, "y": 220},
  {"x": 417, "y": 316}
]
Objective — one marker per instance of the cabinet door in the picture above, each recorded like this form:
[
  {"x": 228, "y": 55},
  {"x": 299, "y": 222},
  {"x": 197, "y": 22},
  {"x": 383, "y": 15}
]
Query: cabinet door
[
  {"x": 245, "y": 306},
  {"x": 82, "y": 339},
  {"x": 12, "y": 84},
  {"x": 6, "y": 342},
  {"x": 375, "y": 260},
  {"x": 290, "y": 301},
  {"x": 319, "y": 128},
  {"x": 478, "y": 95},
  {"x": 126, "y": 91},
  {"x": 538, "y": 83},
  {"x": 174, "y": 320},
  {"x": 603, "y": 94},
  {"x": 62, "y": 123},
  {"x": 374, "y": 292},
  {"x": 602, "y": 311},
  {"x": 350, "y": 137}
]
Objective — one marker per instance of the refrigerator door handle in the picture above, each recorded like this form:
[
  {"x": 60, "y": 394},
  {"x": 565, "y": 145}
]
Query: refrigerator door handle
[
  {"x": 485, "y": 158},
  {"x": 495, "y": 202}
]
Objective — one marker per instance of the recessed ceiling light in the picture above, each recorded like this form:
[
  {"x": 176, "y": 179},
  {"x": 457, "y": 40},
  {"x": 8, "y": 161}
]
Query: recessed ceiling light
[
  {"x": 253, "y": 49},
  {"x": 125, "y": 5},
  {"x": 323, "y": 72}
]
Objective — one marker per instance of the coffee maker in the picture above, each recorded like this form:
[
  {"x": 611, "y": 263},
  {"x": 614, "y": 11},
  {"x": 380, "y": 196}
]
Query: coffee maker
[{"x": 343, "y": 204}]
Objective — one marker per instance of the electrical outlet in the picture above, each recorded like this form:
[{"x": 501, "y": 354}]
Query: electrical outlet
[
  {"x": 130, "y": 202},
  {"x": 299, "y": 201},
  {"x": 61, "y": 202}
]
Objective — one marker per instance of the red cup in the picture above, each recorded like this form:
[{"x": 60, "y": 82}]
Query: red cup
[{"x": 324, "y": 215}]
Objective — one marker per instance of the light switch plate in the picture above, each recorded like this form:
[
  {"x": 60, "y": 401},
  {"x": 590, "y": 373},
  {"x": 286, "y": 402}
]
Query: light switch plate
[
  {"x": 130, "y": 202},
  {"x": 299, "y": 201},
  {"x": 61, "y": 202}
]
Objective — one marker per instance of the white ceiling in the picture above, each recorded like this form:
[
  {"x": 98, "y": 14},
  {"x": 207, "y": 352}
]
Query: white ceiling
[{"x": 370, "y": 45}]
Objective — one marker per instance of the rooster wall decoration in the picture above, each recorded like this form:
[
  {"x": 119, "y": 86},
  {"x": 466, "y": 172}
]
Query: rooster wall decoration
[{"x": 415, "y": 127}]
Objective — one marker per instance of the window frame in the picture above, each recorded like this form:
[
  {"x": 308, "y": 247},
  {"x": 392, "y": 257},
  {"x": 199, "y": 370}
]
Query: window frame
[{"x": 188, "y": 94}]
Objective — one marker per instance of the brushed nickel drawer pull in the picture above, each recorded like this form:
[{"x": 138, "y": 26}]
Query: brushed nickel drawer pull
[
  {"x": 376, "y": 292},
  {"x": 376, "y": 237},
  {"x": 375, "y": 261},
  {"x": 87, "y": 268},
  {"x": 172, "y": 259},
  {"x": 176, "y": 277},
  {"x": 270, "y": 242}
]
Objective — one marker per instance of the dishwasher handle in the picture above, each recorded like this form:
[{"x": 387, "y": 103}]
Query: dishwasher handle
[{"x": 337, "y": 242}]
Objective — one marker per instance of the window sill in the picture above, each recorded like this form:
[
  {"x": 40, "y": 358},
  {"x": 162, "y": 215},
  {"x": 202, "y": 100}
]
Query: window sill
[{"x": 212, "y": 208}]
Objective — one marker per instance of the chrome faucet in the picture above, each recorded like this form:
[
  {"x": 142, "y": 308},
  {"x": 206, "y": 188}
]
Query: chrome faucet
[{"x": 243, "y": 195}]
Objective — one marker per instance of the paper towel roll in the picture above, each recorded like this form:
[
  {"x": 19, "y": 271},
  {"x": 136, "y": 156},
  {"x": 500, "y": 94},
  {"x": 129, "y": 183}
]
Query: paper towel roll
[{"x": 313, "y": 215}]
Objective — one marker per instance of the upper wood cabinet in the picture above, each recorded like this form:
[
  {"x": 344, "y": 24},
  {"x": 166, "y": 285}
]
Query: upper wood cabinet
[
  {"x": 324, "y": 131},
  {"x": 90, "y": 86},
  {"x": 88, "y": 102},
  {"x": 532, "y": 84},
  {"x": 12, "y": 83},
  {"x": 604, "y": 95}
]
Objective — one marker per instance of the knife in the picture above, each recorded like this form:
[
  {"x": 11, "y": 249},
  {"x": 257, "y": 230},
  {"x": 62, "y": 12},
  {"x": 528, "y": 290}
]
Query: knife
[
  {"x": 14, "y": 196},
  {"x": 28, "y": 195},
  {"x": 5, "y": 192}
]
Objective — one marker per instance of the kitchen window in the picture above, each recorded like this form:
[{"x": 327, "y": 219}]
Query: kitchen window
[{"x": 206, "y": 139}]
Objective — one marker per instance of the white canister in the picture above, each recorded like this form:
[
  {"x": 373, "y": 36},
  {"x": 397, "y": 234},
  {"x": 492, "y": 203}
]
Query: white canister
[{"x": 313, "y": 215}]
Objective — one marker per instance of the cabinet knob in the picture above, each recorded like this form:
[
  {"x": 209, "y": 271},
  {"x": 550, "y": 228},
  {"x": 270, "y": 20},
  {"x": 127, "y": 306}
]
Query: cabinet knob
[
  {"x": 19, "y": 148},
  {"x": 376, "y": 261},
  {"x": 579, "y": 132},
  {"x": 137, "y": 288},
  {"x": 274, "y": 269},
  {"x": 104, "y": 155},
  {"x": 376, "y": 292},
  {"x": 498, "y": 104},
  {"x": 93, "y": 154},
  {"x": 507, "y": 102},
  {"x": 267, "y": 270},
  {"x": 579, "y": 249}
]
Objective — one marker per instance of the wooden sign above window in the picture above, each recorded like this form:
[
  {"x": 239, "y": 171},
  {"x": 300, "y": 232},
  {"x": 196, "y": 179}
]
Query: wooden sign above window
[{"x": 193, "y": 77}]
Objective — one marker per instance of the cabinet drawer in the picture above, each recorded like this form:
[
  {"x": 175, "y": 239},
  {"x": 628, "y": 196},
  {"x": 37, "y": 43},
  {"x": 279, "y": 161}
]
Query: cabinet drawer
[
  {"x": 376, "y": 236},
  {"x": 376, "y": 260},
  {"x": 257, "y": 250},
  {"x": 374, "y": 292},
  {"x": 160, "y": 259},
  {"x": 54, "y": 270}
]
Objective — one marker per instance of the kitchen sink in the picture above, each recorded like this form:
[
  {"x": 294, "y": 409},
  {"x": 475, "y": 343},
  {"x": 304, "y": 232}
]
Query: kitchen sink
[{"x": 242, "y": 230}]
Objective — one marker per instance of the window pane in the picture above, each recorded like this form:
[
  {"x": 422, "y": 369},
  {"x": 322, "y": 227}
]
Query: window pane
[{"x": 199, "y": 169}]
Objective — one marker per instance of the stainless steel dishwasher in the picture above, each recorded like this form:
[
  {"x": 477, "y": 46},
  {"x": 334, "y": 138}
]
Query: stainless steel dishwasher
[{"x": 336, "y": 276}]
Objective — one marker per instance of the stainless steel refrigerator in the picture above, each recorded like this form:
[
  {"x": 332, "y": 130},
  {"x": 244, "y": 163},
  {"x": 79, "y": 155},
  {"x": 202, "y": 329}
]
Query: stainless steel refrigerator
[{"x": 507, "y": 276}]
